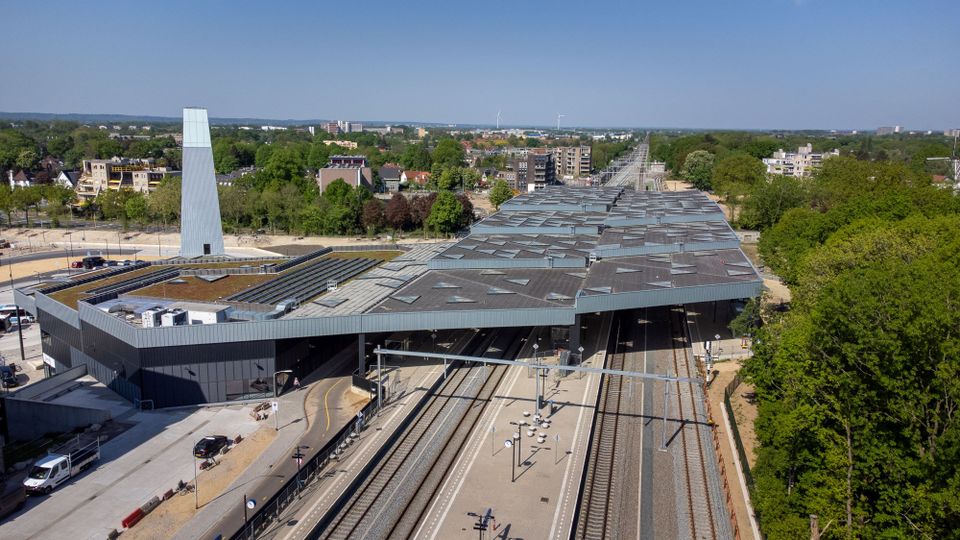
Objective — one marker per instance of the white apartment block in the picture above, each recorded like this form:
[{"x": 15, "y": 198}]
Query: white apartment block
[{"x": 799, "y": 163}]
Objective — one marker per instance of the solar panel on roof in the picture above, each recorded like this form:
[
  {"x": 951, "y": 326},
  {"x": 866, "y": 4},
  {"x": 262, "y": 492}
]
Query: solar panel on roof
[
  {"x": 518, "y": 281},
  {"x": 445, "y": 285},
  {"x": 557, "y": 296},
  {"x": 406, "y": 299},
  {"x": 492, "y": 273},
  {"x": 622, "y": 270},
  {"x": 459, "y": 300}
]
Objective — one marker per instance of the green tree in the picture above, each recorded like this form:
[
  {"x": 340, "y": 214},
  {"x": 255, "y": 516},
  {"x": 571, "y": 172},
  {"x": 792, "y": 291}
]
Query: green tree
[
  {"x": 26, "y": 198},
  {"x": 27, "y": 159},
  {"x": 416, "y": 157},
  {"x": 768, "y": 200},
  {"x": 857, "y": 384},
  {"x": 164, "y": 202},
  {"x": 7, "y": 203},
  {"x": 470, "y": 178},
  {"x": 734, "y": 176},
  {"x": 58, "y": 198},
  {"x": 136, "y": 208},
  {"x": 500, "y": 193},
  {"x": 446, "y": 213},
  {"x": 233, "y": 205},
  {"x": 449, "y": 154},
  {"x": 698, "y": 169}
]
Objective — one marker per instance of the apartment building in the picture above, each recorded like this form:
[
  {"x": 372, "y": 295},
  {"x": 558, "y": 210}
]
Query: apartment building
[
  {"x": 353, "y": 170},
  {"x": 140, "y": 175},
  {"x": 532, "y": 172},
  {"x": 572, "y": 161},
  {"x": 800, "y": 163}
]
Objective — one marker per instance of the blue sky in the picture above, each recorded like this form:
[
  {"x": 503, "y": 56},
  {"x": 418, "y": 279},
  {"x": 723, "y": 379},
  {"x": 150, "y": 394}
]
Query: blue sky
[{"x": 709, "y": 64}]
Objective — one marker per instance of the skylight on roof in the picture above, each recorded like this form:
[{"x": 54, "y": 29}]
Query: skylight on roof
[
  {"x": 498, "y": 290},
  {"x": 459, "y": 300}
]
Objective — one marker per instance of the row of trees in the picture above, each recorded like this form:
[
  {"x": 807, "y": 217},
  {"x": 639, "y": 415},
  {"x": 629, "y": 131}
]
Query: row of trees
[{"x": 859, "y": 383}]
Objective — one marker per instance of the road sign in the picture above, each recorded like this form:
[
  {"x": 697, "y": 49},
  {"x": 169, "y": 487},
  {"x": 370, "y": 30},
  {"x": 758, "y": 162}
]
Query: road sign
[
  {"x": 275, "y": 406},
  {"x": 508, "y": 443},
  {"x": 717, "y": 337},
  {"x": 251, "y": 503}
]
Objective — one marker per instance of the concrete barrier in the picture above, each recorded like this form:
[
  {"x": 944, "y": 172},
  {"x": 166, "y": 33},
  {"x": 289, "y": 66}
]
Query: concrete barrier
[
  {"x": 132, "y": 519},
  {"x": 150, "y": 505}
]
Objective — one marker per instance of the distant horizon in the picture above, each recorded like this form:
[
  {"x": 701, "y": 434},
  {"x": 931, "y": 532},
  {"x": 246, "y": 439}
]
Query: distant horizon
[{"x": 238, "y": 120}]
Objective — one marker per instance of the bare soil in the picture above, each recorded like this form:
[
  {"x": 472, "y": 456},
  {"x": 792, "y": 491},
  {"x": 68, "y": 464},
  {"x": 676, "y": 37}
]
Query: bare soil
[{"x": 174, "y": 513}]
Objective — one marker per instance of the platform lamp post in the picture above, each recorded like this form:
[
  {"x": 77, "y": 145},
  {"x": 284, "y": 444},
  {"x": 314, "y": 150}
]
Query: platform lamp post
[{"x": 536, "y": 373}]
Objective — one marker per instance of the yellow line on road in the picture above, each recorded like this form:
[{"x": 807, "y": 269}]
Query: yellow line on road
[{"x": 325, "y": 408}]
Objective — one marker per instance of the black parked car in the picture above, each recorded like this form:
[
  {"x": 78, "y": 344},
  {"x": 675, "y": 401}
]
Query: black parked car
[
  {"x": 8, "y": 376},
  {"x": 210, "y": 446}
]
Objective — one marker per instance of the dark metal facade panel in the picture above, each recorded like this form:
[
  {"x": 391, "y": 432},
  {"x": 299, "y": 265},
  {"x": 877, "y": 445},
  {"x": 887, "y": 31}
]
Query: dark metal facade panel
[
  {"x": 25, "y": 301},
  {"x": 56, "y": 309},
  {"x": 668, "y": 296}
]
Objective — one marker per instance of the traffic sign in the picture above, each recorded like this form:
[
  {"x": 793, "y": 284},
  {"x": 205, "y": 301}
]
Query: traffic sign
[
  {"x": 508, "y": 443},
  {"x": 275, "y": 406},
  {"x": 251, "y": 503}
]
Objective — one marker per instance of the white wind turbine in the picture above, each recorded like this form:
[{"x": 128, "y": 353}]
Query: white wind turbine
[{"x": 559, "y": 116}]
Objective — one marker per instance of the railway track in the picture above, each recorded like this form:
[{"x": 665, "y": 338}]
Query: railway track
[
  {"x": 396, "y": 492},
  {"x": 699, "y": 504},
  {"x": 599, "y": 517}
]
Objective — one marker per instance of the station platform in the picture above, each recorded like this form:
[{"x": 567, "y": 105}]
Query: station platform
[{"x": 540, "y": 500}]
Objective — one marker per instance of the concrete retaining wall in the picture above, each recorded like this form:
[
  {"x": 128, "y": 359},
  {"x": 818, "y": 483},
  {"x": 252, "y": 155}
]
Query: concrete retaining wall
[
  {"x": 41, "y": 387},
  {"x": 27, "y": 420}
]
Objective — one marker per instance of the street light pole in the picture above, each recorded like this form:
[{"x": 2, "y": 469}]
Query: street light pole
[
  {"x": 196, "y": 486},
  {"x": 23, "y": 354}
]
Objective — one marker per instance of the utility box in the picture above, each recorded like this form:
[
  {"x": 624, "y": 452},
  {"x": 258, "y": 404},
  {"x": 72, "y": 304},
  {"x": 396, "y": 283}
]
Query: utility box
[
  {"x": 151, "y": 318},
  {"x": 174, "y": 318}
]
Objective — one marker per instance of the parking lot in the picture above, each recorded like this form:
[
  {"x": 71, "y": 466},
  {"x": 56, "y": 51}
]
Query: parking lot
[{"x": 145, "y": 460}]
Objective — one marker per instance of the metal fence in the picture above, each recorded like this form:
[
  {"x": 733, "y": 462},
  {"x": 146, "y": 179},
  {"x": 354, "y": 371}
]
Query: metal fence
[
  {"x": 268, "y": 514},
  {"x": 741, "y": 453}
]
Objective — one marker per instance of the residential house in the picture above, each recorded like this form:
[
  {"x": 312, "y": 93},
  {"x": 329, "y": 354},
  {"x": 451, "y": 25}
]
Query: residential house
[
  {"x": 390, "y": 174},
  {"x": 68, "y": 179},
  {"x": 414, "y": 177}
]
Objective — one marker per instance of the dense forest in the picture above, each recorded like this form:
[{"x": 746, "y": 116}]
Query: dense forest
[{"x": 858, "y": 382}]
